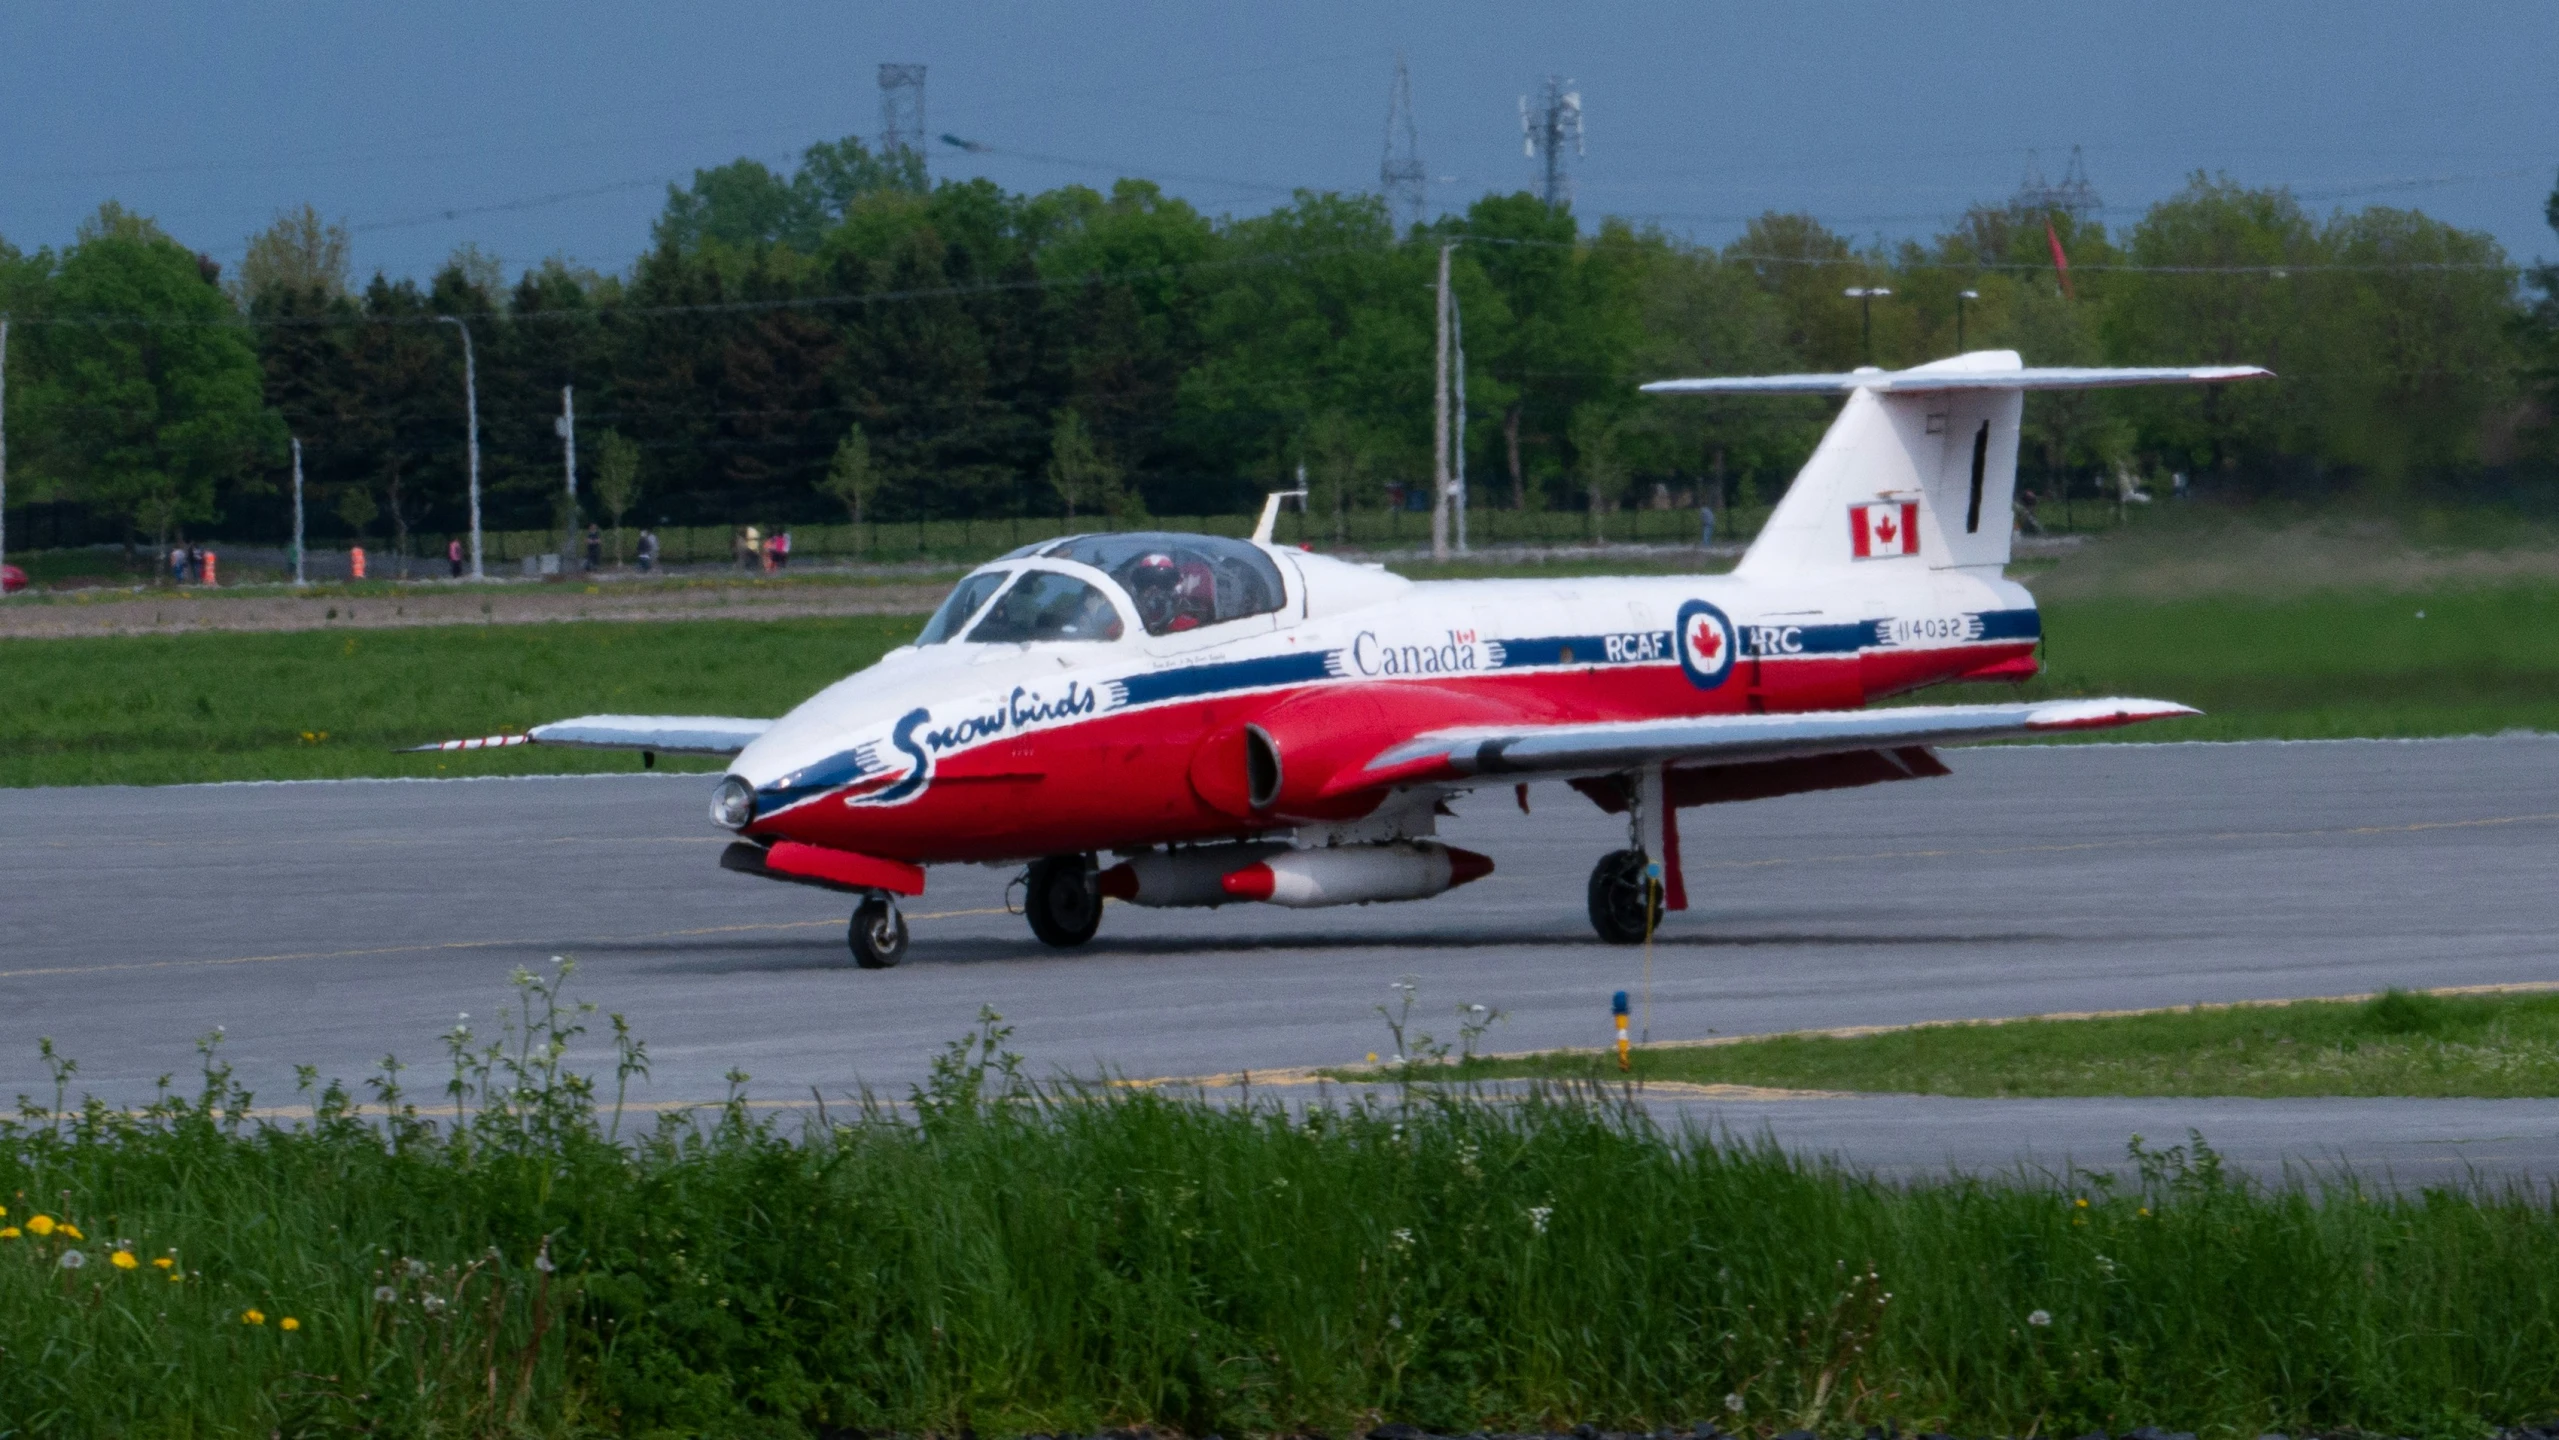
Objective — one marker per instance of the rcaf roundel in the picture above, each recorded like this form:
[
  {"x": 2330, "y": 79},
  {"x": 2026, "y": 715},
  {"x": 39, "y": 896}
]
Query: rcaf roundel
[
  {"x": 1706, "y": 644},
  {"x": 1881, "y": 529}
]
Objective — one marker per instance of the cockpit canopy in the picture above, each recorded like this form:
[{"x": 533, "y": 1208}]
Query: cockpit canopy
[{"x": 1171, "y": 583}]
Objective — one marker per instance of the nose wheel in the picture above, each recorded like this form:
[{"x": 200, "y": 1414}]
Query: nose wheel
[
  {"x": 1061, "y": 900},
  {"x": 1625, "y": 902},
  {"x": 878, "y": 936}
]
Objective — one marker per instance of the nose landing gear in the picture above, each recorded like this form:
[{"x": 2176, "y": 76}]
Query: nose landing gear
[
  {"x": 1625, "y": 900},
  {"x": 878, "y": 934},
  {"x": 1062, "y": 900}
]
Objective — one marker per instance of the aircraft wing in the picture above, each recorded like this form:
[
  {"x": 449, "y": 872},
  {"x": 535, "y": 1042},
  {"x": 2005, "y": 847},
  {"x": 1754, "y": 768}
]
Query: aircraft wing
[
  {"x": 665, "y": 734},
  {"x": 1531, "y": 750}
]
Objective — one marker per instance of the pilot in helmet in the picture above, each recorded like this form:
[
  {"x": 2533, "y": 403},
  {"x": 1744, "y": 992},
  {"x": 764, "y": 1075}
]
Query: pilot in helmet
[{"x": 1151, "y": 583}]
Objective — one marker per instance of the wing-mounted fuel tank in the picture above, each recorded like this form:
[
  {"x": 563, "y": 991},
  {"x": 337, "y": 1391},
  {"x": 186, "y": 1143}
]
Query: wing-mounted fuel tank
[{"x": 1300, "y": 879}]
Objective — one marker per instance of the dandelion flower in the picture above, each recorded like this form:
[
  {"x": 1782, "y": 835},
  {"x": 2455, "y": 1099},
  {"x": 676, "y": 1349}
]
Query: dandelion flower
[
  {"x": 166, "y": 1263},
  {"x": 72, "y": 1231},
  {"x": 1733, "y": 1403},
  {"x": 253, "y": 1317},
  {"x": 2081, "y": 1202},
  {"x": 417, "y": 1268},
  {"x": 176, "y": 1279},
  {"x": 384, "y": 1295},
  {"x": 8, "y": 1232},
  {"x": 123, "y": 1260},
  {"x": 39, "y": 1225},
  {"x": 433, "y": 1304},
  {"x": 2039, "y": 1318},
  {"x": 73, "y": 1260},
  {"x": 542, "y": 1262},
  {"x": 289, "y": 1323}
]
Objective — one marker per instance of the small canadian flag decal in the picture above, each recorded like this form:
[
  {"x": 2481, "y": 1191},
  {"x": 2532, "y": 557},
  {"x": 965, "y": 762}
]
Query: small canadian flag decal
[{"x": 1880, "y": 529}]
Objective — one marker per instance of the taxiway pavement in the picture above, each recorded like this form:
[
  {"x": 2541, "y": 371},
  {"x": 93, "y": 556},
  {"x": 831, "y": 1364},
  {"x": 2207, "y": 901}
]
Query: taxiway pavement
[{"x": 333, "y": 923}]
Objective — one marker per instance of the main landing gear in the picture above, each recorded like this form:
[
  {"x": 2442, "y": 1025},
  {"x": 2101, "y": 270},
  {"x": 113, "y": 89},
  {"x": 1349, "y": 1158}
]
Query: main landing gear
[
  {"x": 1625, "y": 900},
  {"x": 878, "y": 936},
  {"x": 1062, "y": 900}
]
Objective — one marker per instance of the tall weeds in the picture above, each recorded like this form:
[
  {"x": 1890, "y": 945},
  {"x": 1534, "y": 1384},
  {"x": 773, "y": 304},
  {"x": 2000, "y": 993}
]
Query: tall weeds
[{"x": 1000, "y": 1257}]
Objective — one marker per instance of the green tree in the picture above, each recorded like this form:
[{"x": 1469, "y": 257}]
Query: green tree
[
  {"x": 850, "y": 477},
  {"x": 1079, "y": 472},
  {"x": 299, "y": 253},
  {"x": 147, "y": 390},
  {"x": 617, "y": 483}
]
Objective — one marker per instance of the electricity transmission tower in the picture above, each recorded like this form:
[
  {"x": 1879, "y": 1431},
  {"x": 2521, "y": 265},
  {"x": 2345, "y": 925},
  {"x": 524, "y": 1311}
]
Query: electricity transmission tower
[
  {"x": 901, "y": 109},
  {"x": 1546, "y": 130},
  {"x": 1402, "y": 180},
  {"x": 2073, "y": 197}
]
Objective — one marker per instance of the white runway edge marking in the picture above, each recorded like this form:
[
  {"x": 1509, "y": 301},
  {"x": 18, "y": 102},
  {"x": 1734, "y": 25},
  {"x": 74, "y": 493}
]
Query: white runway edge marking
[
  {"x": 441, "y": 945},
  {"x": 2140, "y": 843}
]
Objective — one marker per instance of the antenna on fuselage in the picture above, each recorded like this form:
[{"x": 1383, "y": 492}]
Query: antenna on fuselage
[{"x": 1270, "y": 513}]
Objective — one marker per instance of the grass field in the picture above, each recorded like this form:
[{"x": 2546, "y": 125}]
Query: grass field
[
  {"x": 989, "y": 1260},
  {"x": 2456, "y": 660},
  {"x": 2394, "y": 1044},
  {"x": 314, "y": 704}
]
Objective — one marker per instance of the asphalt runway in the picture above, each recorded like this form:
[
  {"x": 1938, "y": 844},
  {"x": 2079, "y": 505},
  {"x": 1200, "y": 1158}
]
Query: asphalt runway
[{"x": 332, "y": 923}]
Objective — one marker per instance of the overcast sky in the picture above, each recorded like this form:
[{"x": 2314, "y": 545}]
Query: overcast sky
[{"x": 553, "y": 127}]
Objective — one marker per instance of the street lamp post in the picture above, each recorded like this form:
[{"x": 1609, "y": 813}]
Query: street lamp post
[
  {"x": 1865, "y": 296},
  {"x": 471, "y": 409},
  {"x": 1960, "y": 297}
]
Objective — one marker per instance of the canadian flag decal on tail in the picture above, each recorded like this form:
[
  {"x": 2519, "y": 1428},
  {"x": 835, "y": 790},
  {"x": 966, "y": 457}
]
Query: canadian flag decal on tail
[{"x": 1881, "y": 529}]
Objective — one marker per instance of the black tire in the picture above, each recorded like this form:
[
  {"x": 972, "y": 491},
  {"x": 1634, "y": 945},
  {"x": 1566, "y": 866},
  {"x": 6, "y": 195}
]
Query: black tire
[
  {"x": 878, "y": 934},
  {"x": 1620, "y": 894},
  {"x": 1061, "y": 900}
]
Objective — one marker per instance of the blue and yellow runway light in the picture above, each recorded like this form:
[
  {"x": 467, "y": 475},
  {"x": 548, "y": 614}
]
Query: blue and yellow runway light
[{"x": 1617, "y": 1008}]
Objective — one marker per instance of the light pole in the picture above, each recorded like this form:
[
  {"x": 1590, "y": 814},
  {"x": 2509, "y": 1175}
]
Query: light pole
[
  {"x": 1439, "y": 422},
  {"x": 297, "y": 510},
  {"x": 1865, "y": 296},
  {"x": 4, "y": 441},
  {"x": 1960, "y": 297},
  {"x": 471, "y": 409},
  {"x": 566, "y": 427}
]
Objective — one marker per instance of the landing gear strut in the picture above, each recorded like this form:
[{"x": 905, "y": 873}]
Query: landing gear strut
[
  {"x": 1062, "y": 901},
  {"x": 878, "y": 935},
  {"x": 1625, "y": 902}
]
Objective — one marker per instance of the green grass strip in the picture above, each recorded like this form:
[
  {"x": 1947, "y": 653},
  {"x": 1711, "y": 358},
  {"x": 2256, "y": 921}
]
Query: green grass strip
[
  {"x": 154, "y": 710},
  {"x": 232, "y": 706},
  {"x": 990, "y": 1259},
  {"x": 2398, "y": 1043}
]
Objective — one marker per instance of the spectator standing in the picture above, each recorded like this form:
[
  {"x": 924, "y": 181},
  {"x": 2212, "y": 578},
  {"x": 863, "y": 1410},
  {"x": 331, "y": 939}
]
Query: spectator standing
[
  {"x": 453, "y": 556},
  {"x": 177, "y": 564},
  {"x": 781, "y": 549},
  {"x": 648, "y": 551},
  {"x": 750, "y": 548},
  {"x": 594, "y": 547},
  {"x": 195, "y": 563}
]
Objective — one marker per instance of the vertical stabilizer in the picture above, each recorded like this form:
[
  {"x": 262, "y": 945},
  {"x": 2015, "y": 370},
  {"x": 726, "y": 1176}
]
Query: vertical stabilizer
[{"x": 1920, "y": 468}]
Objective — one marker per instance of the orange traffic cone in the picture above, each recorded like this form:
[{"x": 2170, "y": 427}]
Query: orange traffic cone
[{"x": 355, "y": 560}]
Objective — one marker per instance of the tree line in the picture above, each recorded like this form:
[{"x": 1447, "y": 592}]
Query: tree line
[{"x": 851, "y": 341}]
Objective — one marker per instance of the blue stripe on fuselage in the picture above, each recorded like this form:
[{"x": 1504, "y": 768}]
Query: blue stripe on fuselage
[{"x": 1189, "y": 682}]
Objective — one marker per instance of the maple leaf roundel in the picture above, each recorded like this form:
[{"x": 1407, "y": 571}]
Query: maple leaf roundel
[{"x": 1706, "y": 644}]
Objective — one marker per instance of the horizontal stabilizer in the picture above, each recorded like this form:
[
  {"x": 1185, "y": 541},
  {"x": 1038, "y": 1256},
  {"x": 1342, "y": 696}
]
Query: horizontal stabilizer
[
  {"x": 664, "y": 734},
  {"x": 1523, "y": 750},
  {"x": 1928, "y": 380}
]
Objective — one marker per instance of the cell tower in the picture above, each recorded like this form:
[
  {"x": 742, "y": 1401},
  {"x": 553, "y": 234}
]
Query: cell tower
[
  {"x": 901, "y": 109},
  {"x": 1403, "y": 181},
  {"x": 2073, "y": 197},
  {"x": 1546, "y": 130}
]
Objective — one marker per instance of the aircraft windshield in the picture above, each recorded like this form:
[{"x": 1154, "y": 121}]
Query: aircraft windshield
[
  {"x": 1045, "y": 605},
  {"x": 963, "y": 602},
  {"x": 1181, "y": 582}
]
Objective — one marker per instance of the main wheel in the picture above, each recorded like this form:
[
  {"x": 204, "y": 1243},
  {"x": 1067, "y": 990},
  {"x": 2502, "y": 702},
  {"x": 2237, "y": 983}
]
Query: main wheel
[
  {"x": 1624, "y": 901},
  {"x": 878, "y": 935},
  {"x": 1061, "y": 901}
]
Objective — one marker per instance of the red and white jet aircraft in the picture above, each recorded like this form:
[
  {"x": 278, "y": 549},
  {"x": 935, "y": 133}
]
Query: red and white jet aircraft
[{"x": 1233, "y": 721}]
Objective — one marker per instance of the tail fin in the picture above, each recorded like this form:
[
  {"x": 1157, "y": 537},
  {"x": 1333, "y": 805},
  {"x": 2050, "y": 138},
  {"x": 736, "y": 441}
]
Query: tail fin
[{"x": 1921, "y": 464}]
